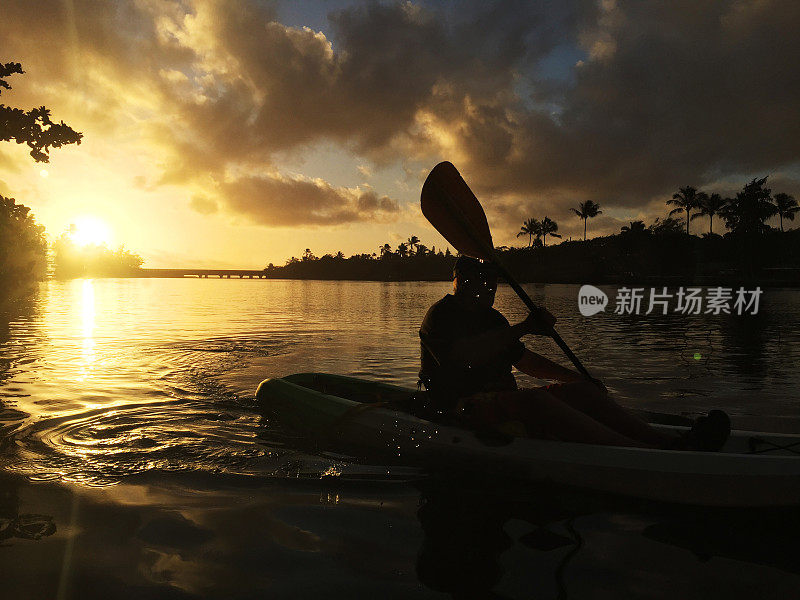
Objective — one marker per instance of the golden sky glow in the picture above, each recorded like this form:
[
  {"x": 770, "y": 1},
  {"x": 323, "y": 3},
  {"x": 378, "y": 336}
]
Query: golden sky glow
[{"x": 239, "y": 133}]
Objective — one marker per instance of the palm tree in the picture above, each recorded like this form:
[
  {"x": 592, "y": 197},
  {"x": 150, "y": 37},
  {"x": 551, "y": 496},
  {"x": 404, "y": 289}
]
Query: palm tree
[
  {"x": 786, "y": 207},
  {"x": 748, "y": 211},
  {"x": 587, "y": 210},
  {"x": 402, "y": 250},
  {"x": 550, "y": 227},
  {"x": 413, "y": 241},
  {"x": 686, "y": 199},
  {"x": 710, "y": 206},
  {"x": 634, "y": 227},
  {"x": 531, "y": 227},
  {"x": 386, "y": 250}
]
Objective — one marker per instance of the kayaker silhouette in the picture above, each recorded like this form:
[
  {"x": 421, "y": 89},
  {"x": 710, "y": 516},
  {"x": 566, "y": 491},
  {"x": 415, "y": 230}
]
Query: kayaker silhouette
[{"x": 468, "y": 350}]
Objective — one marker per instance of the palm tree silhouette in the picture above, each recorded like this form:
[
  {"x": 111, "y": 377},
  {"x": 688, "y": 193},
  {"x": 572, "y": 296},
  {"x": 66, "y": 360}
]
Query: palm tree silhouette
[
  {"x": 385, "y": 250},
  {"x": 548, "y": 226},
  {"x": 710, "y": 206},
  {"x": 402, "y": 250},
  {"x": 634, "y": 227},
  {"x": 786, "y": 207},
  {"x": 531, "y": 227},
  {"x": 413, "y": 241},
  {"x": 686, "y": 199},
  {"x": 587, "y": 210}
]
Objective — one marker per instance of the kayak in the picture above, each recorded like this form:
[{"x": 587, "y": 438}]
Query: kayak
[{"x": 753, "y": 468}]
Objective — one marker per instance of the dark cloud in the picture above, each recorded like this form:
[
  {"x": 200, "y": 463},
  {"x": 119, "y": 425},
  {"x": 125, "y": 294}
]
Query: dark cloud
[
  {"x": 276, "y": 87},
  {"x": 279, "y": 201},
  {"x": 670, "y": 94}
]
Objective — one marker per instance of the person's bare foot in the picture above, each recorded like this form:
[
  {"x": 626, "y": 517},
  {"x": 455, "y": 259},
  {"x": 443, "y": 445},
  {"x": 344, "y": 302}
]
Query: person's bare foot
[{"x": 708, "y": 434}]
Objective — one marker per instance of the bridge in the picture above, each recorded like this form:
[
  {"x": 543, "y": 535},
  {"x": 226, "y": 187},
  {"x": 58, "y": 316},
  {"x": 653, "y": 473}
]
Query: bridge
[{"x": 203, "y": 273}]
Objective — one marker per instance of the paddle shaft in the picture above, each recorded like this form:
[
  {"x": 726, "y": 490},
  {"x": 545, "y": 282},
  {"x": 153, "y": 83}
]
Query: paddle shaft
[{"x": 523, "y": 295}]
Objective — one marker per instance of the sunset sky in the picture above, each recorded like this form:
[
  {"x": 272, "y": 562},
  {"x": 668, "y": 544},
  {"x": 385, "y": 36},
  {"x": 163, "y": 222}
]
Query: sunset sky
[{"x": 234, "y": 133}]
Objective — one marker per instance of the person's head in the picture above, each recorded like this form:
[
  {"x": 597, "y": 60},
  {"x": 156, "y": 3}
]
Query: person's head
[{"x": 474, "y": 280}]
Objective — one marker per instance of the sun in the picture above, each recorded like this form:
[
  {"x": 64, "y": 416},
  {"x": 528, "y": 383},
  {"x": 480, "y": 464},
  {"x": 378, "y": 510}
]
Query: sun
[{"x": 89, "y": 230}]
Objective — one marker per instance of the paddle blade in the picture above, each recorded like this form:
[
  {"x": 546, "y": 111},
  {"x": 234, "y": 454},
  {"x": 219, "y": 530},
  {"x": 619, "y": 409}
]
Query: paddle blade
[{"x": 452, "y": 208}]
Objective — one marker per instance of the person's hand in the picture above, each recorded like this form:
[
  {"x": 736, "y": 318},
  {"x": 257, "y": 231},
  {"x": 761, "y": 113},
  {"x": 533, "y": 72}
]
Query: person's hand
[
  {"x": 539, "y": 322},
  {"x": 601, "y": 386}
]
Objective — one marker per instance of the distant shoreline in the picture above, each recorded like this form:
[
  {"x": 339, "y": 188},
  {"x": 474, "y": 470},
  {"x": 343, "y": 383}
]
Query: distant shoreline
[
  {"x": 672, "y": 260},
  {"x": 791, "y": 279}
]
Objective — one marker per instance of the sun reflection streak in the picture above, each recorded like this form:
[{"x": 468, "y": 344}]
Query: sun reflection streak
[{"x": 89, "y": 312}]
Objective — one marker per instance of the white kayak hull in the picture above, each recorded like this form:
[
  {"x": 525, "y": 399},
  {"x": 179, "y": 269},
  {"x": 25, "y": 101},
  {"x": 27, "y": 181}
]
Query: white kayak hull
[{"x": 734, "y": 477}]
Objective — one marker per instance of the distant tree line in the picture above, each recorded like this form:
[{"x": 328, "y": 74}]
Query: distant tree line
[
  {"x": 408, "y": 261},
  {"x": 92, "y": 260},
  {"x": 744, "y": 214},
  {"x": 751, "y": 251}
]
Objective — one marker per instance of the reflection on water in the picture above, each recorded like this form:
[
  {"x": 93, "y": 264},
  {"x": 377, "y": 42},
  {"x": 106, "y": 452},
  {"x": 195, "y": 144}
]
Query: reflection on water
[
  {"x": 157, "y": 537},
  {"x": 142, "y": 389},
  {"x": 87, "y": 326},
  {"x": 16, "y": 524}
]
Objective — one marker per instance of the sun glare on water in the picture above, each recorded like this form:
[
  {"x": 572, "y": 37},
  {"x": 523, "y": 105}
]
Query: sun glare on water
[{"x": 89, "y": 230}]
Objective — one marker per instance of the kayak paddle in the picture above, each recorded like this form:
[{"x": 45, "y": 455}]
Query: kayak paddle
[{"x": 454, "y": 211}]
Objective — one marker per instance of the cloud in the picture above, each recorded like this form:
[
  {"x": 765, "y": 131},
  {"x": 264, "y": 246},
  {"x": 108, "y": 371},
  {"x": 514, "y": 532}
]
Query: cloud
[
  {"x": 280, "y": 201},
  {"x": 667, "y": 96},
  {"x": 9, "y": 162},
  {"x": 261, "y": 87},
  {"x": 203, "y": 205},
  {"x": 664, "y": 95}
]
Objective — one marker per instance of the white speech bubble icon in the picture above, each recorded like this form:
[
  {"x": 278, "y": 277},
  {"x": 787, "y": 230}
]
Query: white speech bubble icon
[{"x": 591, "y": 300}]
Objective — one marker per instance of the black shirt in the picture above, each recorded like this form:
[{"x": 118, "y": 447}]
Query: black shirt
[{"x": 447, "y": 379}]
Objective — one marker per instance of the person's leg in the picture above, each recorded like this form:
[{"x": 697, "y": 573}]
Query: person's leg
[
  {"x": 545, "y": 416},
  {"x": 590, "y": 400}
]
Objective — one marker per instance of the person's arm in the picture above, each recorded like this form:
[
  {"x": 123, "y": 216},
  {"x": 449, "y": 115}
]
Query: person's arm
[
  {"x": 485, "y": 346},
  {"x": 540, "y": 367},
  {"x": 481, "y": 348}
]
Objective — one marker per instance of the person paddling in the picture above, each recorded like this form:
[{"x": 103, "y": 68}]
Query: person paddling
[{"x": 467, "y": 352}]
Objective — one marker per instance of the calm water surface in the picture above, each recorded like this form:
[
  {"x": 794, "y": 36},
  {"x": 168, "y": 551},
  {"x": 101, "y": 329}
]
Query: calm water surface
[{"x": 134, "y": 460}]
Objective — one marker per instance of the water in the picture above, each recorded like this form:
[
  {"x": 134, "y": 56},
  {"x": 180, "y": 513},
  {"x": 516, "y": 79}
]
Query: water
[{"x": 128, "y": 427}]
